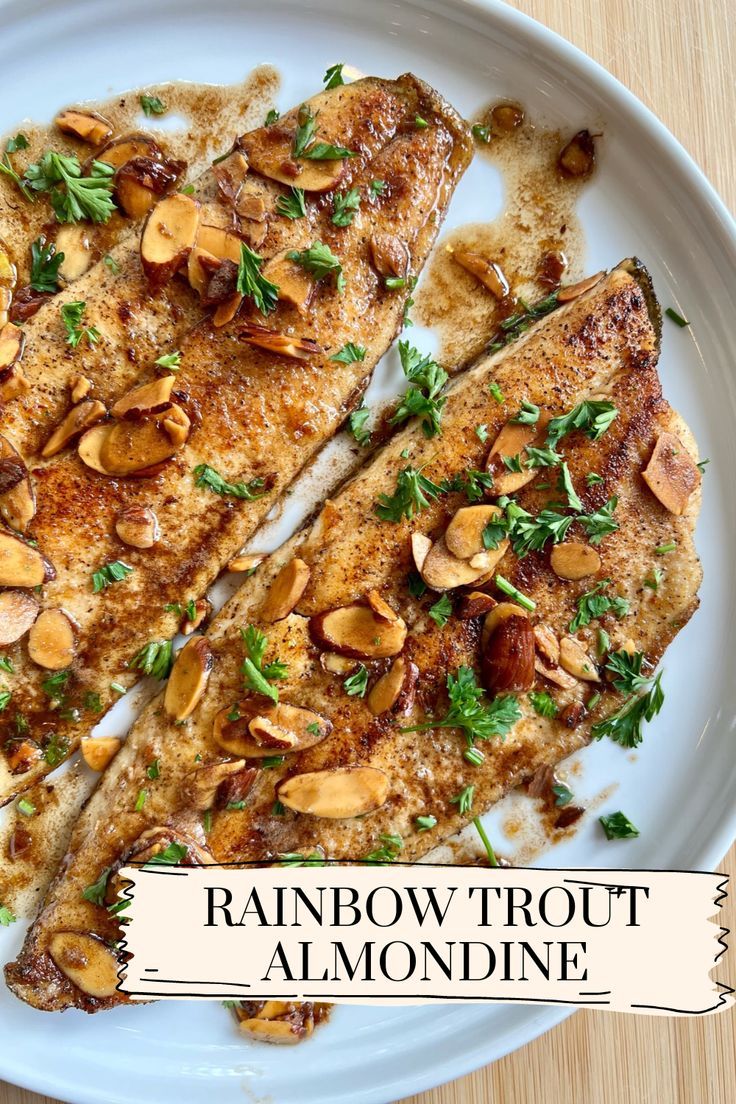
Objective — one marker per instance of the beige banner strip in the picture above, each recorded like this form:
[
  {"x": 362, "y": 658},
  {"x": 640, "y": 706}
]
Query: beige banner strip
[{"x": 624, "y": 940}]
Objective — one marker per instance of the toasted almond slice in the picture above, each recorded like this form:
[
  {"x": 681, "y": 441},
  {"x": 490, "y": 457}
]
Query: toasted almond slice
[
  {"x": 576, "y": 661},
  {"x": 497, "y": 616},
  {"x": 464, "y": 534},
  {"x": 137, "y": 526},
  {"x": 396, "y": 689},
  {"x": 337, "y": 664},
  {"x": 148, "y": 398},
  {"x": 87, "y": 125},
  {"x": 80, "y": 388},
  {"x": 343, "y": 792},
  {"x": 188, "y": 679},
  {"x": 443, "y": 571},
  {"x": 487, "y": 272},
  {"x": 475, "y": 604},
  {"x": 140, "y": 182},
  {"x": 390, "y": 255},
  {"x": 572, "y": 291},
  {"x": 260, "y": 730},
  {"x": 420, "y": 546},
  {"x": 294, "y": 283},
  {"x": 269, "y": 154},
  {"x": 573, "y": 560},
  {"x": 12, "y": 340},
  {"x": 577, "y": 158},
  {"x": 21, "y": 754},
  {"x": 511, "y": 441},
  {"x": 20, "y": 564},
  {"x": 356, "y": 631},
  {"x": 168, "y": 236},
  {"x": 201, "y": 784},
  {"x": 129, "y": 447},
  {"x": 272, "y": 1031},
  {"x": 13, "y": 382},
  {"x": 51, "y": 641},
  {"x": 200, "y": 265},
  {"x": 79, "y": 418},
  {"x": 17, "y": 498},
  {"x": 671, "y": 474},
  {"x": 225, "y": 312},
  {"x": 300, "y": 348},
  {"x": 547, "y": 643},
  {"x": 98, "y": 751},
  {"x": 72, "y": 239},
  {"x": 231, "y": 174},
  {"x": 245, "y": 561},
  {"x": 18, "y": 611},
  {"x": 381, "y": 608},
  {"x": 86, "y": 961},
  {"x": 507, "y": 662},
  {"x": 124, "y": 149},
  {"x": 89, "y": 448},
  {"x": 286, "y": 590},
  {"x": 555, "y": 674},
  {"x": 219, "y": 242}
]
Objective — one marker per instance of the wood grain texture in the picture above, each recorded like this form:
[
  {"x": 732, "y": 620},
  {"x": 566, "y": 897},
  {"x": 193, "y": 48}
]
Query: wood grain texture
[{"x": 678, "y": 57}]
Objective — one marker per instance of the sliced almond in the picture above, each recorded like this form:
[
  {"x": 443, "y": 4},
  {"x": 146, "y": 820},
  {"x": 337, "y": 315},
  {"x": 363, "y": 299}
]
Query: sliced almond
[
  {"x": 51, "y": 641},
  {"x": 245, "y": 561},
  {"x": 577, "y": 158},
  {"x": 12, "y": 340},
  {"x": 420, "y": 546},
  {"x": 148, "y": 398},
  {"x": 511, "y": 441},
  {"x": 576, "y": 661},
  {"x": 259, "y": 730},
  {"x": 87, "y": 125},
  {"x": 300, "y": 348},
  {"x": 225, "y": 312},
  {"x": 231, "y": 174},
  {"x": 168, "y": 236},
  {"x": 294, "y": 283},
  {"x": 140, "y": 182},
  {"x": 356, "y": 631},
  {"x": 487, "y": 272},
  {"x": 13, "y": 382},
  {"x": 381, "y": 608},
  {"x": 671, "y": 474},
  {"x": 17, "y": 498},
  {"x": 20, "y": 564},
  {"x": 269, "y": 153},
  {"x": 396, "y": 689},
  {"x": 286, "y": 590},
  {"x": 464, "y": 534},
  {"x": 133, "y": 197},
  {"x": 475, "y": 604},
  {"x": 79, "y": 418},
  {"x": 500, "y": 613},
  {"x": 122, "y": 150},
  {"x": 272, "y": 1031},
  {"x": 219, "y": 242},
  {"x": 80, "y": 388},
  {"x": 137, "y": 526},
  {"x": 573, "y": 560},
  {"x": 18, "y": 611},
  {"x": 98, "y": 751},
  {"x": 176, "y": 425},
  {"x": 86, "y": 961},
  {"x": 343, "y": 792},
  {"x": 390, "y": 255},
  {"x": 128, "y": 447},
  {"x": 89, "y": 448},
  {"x": 199, "y": 266},
  {"x": 555, "y": 674},
  {"x": 73, "y": 240},
  {"x": 573, "y": 291},
  {"x": 443, "y": 571},
  {"x": 188, "y": 679},
  {"x": 336, "y": 664},
  {"x": 21, "y": 755},
  {"x": 547, "y": 643},
  {"x": 200, "y": 785},
  {"x": 507, "y": 662}
]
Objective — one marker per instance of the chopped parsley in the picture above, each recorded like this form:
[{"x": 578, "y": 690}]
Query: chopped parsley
[
  {"x": 55, "y": 684},
  {"x": 26, "y": 808},
  {"x": 592, "y": 478},
  {"x": 592, "y": 416},
  {"x": 171, "y": 855},
  {"x": 209, "y": 477},
  {"x": 112, "y": 264},
  {"x": 258, "y": 676},
  {"x": 481, "y": 432},
  {"x": 56, "y": 750},
  {"x": 111, "y": 573},
  {"x": 153, "y": 770},
  {"x": 543, "y": 704},
  {"x": 420, "y": 123},
  {"x": 464, "y": 800},
  {"x": 304, "y": 144},
  {"x": 473, "y": 755},
  {"x": 350, "y": 354},
  {"x": 594, "y": 603},
  {"x": 97, "y": 890},
  {"x": 272, "y": 117},
  {"x": 6, "y": 917},
  {"x": 295, "y": 858},
  {"x": 5, "y": 696},
  {"x": 563, "y": 795},
  {"x": 92, "y": 702},
  {"x": 357, "y": 684},
  {"x": 492, "y": 860},
  {"x": 154, "y": 659},
  {"x": 618, "y": 826},
  {"x": 71, "y": 316},
  {"x": 441, "y": 611},
  {"x": 390, "y": 848},
  {"x": 663, "y": 549},
  {"x": 393, "y": 283},
  {"x": 377, "y": 187},
  {"x": 508, "y": 588},
  {"x": 45, "y": 263},
  {"x": 600, "y": 523},
  {"x": 413, "y": 493},
  {"x": 357, "y": 424},
  {"x": 541, "y": 457},
  {"x": 333, "y": 76},
  {"x": 292, "y": 206},
  {"x": 467, "y": 712},
  {"x": 495, "y": 392},
  {"x": 481, "y": 133},
  {"x": 564, "y": 484},
  {"x": 140, "y": 801},
  {"x": 345, "y": 206},
  {"x": 425, "y": 823},
  {"x": 416, "y": 584},
  {"x": 317, "y": 259},
  {"x": 20, "y": 142},
  {"x": 6, "y": 664},
  {"x": 679, "y": 321},
  {"x": 528, "y": 414},
  {"x": 172, "y": 361},
  {"x": 645, "y": 700},
  {"x": 73, "y": 197},
  {"x": 252, "y": 284},
  {"x": 423, "y": 399},
  {"x": 512, "y": 463},
  {"x": 152, "y": 105},
  {"x": 516, "y": 324}
]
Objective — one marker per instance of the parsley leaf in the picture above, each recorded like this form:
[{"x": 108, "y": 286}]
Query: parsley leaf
[
  {"x": 333, "y": 76},
  {"x": 541, "y": 457},
  {"x": 152, "y": 105},
  {"x": 377, "y": 187},
  {"x": 357, "y": 684},
  {"x": 388, "y": 852},
  {"x": 170, "y": 856},
  {"x": 74, "y": 197},
  {"x": 357, "y": 424},
  {"x": 6, "y": 916},
  {"x": 252, "y": 284},
  {"x": 272, "y": 117},
  {"x": 423, "y": 398},
  {"x": 20, "y": 142},
  {"x": 647, "y": 697},
  {"x": 563, "y": 794},
  {"x": 292, "y": 206},
  {"x": 111, "y": 573},
  {"x": 257, "y": 676},
  {"x": 154, "y": 659},
  {"x": 464, "y": 799},
  {"x": 325, "y": 151},
  {"x": 543, "y": 704},
  {"x": 295, "y": 858},
  {"x": 528, "y": 414},
  {"x": 413, "y": 493},
  {"x": 467, "y": 712},
  {"x": 304, "y": 144},
  {"x": 600, "y": 523},
  {"x": 45, "y": 263},
  {"x": 71, "y": 316},
  {"x": 593, "y": 416},
  {"x": 618, "y": 826},
  {"x": 441, "y": 611},
  {"x": 416, "y": 584},
  {"x": 209, "y": 477},
  {"x": 318, "y": 259},
  {"x": 346, "y": 205},
  {"x": 350, "y": 354},
  {"x": 530, "y": 534},
  {"x": 594, "y": 604},
  {"x": 97, "y": 890},
  {"x": 172, "y": 361},
  {"x": 564, "y": 483},
  {"x": 516, "y": 324}
]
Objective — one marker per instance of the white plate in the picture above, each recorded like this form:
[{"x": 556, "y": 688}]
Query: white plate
[{"x": 648, "y": 199}]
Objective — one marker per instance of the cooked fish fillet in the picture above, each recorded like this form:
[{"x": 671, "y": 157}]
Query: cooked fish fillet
[
  {"x": 255, "y": 415},
  {"x": 603, "y": 344}
]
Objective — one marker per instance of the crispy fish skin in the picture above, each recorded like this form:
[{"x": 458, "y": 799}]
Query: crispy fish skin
[
  {"x": 254, "y": 415},
  {"x": 605, "y": 343}
]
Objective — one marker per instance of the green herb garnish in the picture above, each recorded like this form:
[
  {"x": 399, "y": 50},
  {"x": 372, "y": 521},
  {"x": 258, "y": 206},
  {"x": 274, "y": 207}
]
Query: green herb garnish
[
  {"x": 508, "y": 588},
  {"x": 154, "y": 659},
  {"x": 543, "y": 704},
  {"x": 172, "y": 361},
  {"x": 592, "y": 416},
  {"x": 111, "y": 573},
  {"x": 387, "y": 853},
  {"x": 413, "y": 493},
  {"x": 594, "y": 603},
  {"x": 423, "y": 399},
  {"x": 618, "y": 826},
  {"x": 492, "y": 860},
  {"x": 356, "y": 685},
  {"x": 563, "y": 795},
  {"x": 441, "y": 611},
  {"x": 152, "y": 105},
  {"x": 464, "y": 800},
  {"x": 97, "y": 890},
  {"x": 71, "y": 316},
  {"x": 350, "y": 354},
  {"x": 45, "y": 263},
  {"x": 425, "y": 823},
  {"x": 209, "y": 477},
  {"x": 257, "y": 675},
  {"x": 252, "y": 284},
  {"x": 678, "y": 320},
  {"x": 345, "y": 206},
  {"x": 468, "y": 713},
  {"x": 357, "y": 425},
  {"x": 73, "y": 197},
  {"x": 292, "y": 206},
  {"x": 317, "y": 259},
  {"x": 333, "y": 76}
]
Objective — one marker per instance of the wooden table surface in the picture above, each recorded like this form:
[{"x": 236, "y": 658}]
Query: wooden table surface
[{"x": 679, "y": 58}]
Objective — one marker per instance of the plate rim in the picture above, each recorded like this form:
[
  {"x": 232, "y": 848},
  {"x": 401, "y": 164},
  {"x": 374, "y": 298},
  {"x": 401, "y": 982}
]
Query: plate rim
[{"x": 527, "y": 31}]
